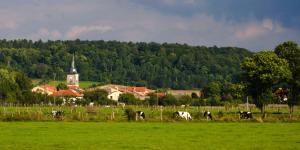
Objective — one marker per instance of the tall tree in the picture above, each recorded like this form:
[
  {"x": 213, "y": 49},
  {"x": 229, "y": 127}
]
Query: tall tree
[
  {"x": 290, "y": 51},
  {"x": 260, "y": 73}
]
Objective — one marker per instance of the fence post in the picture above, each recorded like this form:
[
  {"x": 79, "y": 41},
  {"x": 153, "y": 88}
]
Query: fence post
[{"x": 161, "y": 110}]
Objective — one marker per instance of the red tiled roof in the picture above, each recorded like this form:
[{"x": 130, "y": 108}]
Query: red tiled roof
[
  {"x": 63, "y": 93},
  {"x": 72, "y": 87},
  {"x": 137, "y": 89},
  {"x": 49, "y": 88}
]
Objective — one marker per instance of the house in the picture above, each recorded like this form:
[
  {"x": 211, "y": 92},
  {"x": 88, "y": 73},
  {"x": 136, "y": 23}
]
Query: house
[
  {"x": 44, "y": 89},
  {"x": 69, "y": 96},
  {"x": 114, "y": 91},
  {"x": 114, "y": 95},
  {"x": 139, "y": 92},
  {"x": 178, "y": 93}
]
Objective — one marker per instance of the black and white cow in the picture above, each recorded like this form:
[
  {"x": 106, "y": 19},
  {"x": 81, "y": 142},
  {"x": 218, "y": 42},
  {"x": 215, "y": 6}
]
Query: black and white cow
[
  {"x": 140, "y": 114},
  {"x": 245, "y": 115},
  {"x": 182, "y": 114},
  {"x": 57, "y": 114},
  {"x": 208, "y": 115}
]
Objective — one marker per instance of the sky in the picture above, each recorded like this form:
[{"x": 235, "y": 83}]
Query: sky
[{"x": 252, "y": 24}]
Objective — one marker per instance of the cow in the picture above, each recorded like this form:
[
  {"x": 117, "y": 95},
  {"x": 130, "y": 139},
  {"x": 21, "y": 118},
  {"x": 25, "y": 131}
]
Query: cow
[
  {"x": 208, "y": 115},
  {"x": 140, "y": 115},
  {"x": 245, "y": 115},
  {"x": 182, "y": 114},
  {"x": 57, "y": 114}
]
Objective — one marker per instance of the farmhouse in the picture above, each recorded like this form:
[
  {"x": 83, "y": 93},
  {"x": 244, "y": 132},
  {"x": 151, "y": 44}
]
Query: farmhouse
[
  {"x": 44, "y": 89},
  {"x": 114, "y": 91}
]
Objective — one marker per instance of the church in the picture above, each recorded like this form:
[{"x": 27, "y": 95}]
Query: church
[{"x": 73, "y": 76}]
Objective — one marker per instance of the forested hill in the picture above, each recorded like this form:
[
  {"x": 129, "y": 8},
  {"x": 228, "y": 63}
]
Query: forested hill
[{"x": 177, "y": 66}]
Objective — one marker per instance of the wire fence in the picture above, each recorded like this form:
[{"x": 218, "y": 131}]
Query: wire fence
[{"x": 274, "y": 113}]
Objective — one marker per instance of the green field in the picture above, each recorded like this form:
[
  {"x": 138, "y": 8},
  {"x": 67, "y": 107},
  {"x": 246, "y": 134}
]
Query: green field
[
  {"x": 82, "y": 84},
  {"x": 80, "y": 135}
]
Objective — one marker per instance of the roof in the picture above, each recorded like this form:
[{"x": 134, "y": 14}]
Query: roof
[
  {"x": 48, "y": 88},
  {"x": 137, "y": 89},
  {"x": 64, "y": 93}
]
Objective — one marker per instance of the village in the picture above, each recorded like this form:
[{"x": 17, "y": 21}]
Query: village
[{"x": 73, "y": 92}]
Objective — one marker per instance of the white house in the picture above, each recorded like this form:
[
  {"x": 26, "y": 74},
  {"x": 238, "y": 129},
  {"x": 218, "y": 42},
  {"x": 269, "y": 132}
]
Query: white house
[{"x": 114, "y": 95}]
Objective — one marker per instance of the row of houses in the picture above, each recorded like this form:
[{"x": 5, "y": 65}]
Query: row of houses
[{"x": 114, "y": 91}]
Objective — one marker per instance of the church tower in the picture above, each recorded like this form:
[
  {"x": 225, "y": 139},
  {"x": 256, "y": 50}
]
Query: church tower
[{"x": 73, "y": 76}]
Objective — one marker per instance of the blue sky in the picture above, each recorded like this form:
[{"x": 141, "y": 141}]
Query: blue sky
[{"x": 252, "y": 24}]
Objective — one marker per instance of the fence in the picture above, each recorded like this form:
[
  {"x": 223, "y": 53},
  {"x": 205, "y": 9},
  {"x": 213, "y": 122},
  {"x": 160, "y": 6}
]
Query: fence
[{"x": 153, "y": 114}]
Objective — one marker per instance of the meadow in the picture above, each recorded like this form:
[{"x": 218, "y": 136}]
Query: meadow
[
  {"x": 274, "y": 113},
  {"x": 126, "y": 135},
  {"x": 82, "y": 84}
]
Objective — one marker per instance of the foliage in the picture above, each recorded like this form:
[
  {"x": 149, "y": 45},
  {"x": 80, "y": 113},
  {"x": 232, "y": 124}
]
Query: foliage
[
  {"x": 130, "y": 114},
  {"x": 168, "y": 100},
  {"x": 98, "y": 97},
  {"x": 61, "y": 86},
  {"x": 291, "y": 52},
  {"x": 212, "y": 89},
  {"x": 177, "y": 66},
  {"x": 129, "y": 99},
  {"x": 14, "y": 87},
  {"x": 261, "y": 72}
]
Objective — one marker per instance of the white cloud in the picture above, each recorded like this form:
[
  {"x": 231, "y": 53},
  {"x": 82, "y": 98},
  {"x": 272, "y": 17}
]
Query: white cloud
[
  {"x": 75, "y": 31},
  {"x": 4, "y": 24},
  {"x": 46, "y": 34},
  {"x": 256, "y": 29}
]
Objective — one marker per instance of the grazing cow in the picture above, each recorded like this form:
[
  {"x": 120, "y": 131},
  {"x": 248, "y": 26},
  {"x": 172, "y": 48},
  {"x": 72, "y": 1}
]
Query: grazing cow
[
  {"x": 208, "y": 115},
  {"x": 182, "y": 114},
  {"x": 140, "y": 115},
  {"x": 245, "y": 115},
  {"x": 57, "y": 114}
]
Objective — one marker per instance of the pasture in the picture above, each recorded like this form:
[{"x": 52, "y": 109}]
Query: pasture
[
  {"x": 124, "y": 135},
  {"x": 82, "y": 84},
  {"x": 275, "y": 113}
]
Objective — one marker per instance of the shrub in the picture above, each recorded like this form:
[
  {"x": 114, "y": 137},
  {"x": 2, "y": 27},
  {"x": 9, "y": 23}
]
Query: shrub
[{"x": 130, "y": 114}]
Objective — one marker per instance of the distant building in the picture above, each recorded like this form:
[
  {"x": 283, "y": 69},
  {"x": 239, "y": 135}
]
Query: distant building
[
  {"x": 67, "y": 93},
  {"x": 73, "y": 76},
  {"x": 114, "y": 95},
  {"x": 44, "y": 89},
  {"x": 178, "y": 93},
  {"x": 114, "y": 91}
]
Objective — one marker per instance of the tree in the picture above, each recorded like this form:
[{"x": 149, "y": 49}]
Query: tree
[
  {"x": 61, "y": 86},
  {"x": 260, "y": 73},
  {"x": 185, "y": 100},
  {"x": 128, "y": 98},
  {"x": 168, "y": 100},
  {"x": 98, "y": 96},
  {"x": 290, "y": 51},
  {"x": 212, "y": 89}
]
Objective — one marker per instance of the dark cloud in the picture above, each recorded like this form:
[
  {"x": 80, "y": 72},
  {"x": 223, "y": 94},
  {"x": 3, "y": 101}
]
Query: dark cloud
[{"x": 252, "y": 24}]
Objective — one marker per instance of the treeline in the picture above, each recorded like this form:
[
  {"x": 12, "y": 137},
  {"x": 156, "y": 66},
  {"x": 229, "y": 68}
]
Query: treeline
[{"x": 177, "y": 66}]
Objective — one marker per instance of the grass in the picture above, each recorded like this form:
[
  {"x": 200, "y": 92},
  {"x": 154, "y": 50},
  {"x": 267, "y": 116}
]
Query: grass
[
  {"x": 82, "y": 84},
  {"x": 83, "y": 135},
  {"x": 153, "y": 114}
]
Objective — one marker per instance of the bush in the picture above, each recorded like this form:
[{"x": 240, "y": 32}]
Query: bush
[{"x": 130, "y": 114}]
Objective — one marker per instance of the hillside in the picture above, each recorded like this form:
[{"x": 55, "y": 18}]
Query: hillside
[{"x": 177, "y": 66}]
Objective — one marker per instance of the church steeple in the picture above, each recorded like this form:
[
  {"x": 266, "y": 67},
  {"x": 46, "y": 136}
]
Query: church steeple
[
  {"x": 73, "y": 76},
  {"x": 73, "y": 69}
]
